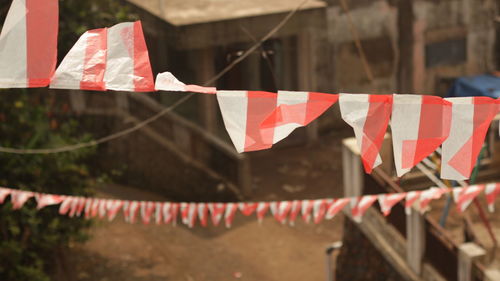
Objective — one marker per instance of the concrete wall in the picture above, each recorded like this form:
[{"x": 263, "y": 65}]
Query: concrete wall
[{"x": 449, "y": 38}]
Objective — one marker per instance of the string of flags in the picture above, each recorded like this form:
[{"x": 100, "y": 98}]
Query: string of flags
[
  {"x": 419, "y": 124},
  {"x": 191, "y": 213},
  {"x": 117, "y": 58}
]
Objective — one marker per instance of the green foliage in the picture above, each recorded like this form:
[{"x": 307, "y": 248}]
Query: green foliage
[
  {"x": 77, "y": 16},
  {"x": 29, "y": 238}
]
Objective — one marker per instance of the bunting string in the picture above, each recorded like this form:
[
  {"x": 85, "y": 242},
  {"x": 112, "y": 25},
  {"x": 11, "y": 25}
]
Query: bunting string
[
  {"x": 116, "y": 58},
  {"x": 201, "y": 213}
]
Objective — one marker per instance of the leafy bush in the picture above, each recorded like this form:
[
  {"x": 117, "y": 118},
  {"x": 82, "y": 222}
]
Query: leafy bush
[{"x": 29, "y": 238}]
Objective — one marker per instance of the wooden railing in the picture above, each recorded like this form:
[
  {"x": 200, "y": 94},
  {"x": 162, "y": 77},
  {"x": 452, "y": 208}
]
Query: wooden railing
[
  {"x": 193, "y": 145},
  {"x": 427, "y": 242}
]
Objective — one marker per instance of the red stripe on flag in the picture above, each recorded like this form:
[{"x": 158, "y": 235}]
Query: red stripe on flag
[
  {"x": 377, "y": 120},
  {"x": 317, "y": 104},
  {"x": 434, "y": 128},
  {"x": 465, "y": 159},
  {"x": 94, "y": 64},
  {"x": 143, "y": 76},
  {"x": 42, "y": 22},
  {"x": 301, "y": 113},
  {"x": 260, "y": 106}
]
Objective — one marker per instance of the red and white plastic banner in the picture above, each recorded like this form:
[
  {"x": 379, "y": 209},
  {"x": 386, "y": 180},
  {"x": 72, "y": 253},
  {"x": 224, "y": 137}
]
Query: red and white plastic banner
[
  {"x": 28, "y": 44},
  {"x": 419, "y": 126},
  {"x": 294, "y": 110},
  {"x": 114, "y": 58},
  {"x": 166, "y": 81},
  {"x": 257, "y": 120},
  {"x": 243, "y": 112},
  {"x": 471, "y": 118},
  {"x": 369, "y": 116},
  {"x": 191, "y": 213}
]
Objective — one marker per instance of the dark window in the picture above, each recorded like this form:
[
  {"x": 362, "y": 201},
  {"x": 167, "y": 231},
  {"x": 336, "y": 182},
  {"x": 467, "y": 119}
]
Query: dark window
[{"x": 446, "y": 53}]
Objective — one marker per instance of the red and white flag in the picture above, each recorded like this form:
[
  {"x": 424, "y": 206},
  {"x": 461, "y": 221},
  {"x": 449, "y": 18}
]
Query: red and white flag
[
  {"x": 307, "y": 208},
  {"x": 66, "y": 204},
  {"x": 247, "y": 208},
  {"x": 217, "y": 211},
  {"x": 88, "y": 207},
  {"x": 147, "y": 210},
  {"x": 19, "y": 197},
  {"x": 169, "y": 212},
  {"x": 4, "y": 192},
  {"x": 319, "y": 209},
  {"x": 130, "y": 210},
  {"x": 280, "y": 210},
  {"x": 76, "y": 204},
  {"x": 261, "y": 211},
  {"x": 369, "y": 116},
  {"x": 188, "y": 214},
  {"x": 28, "y": 44},
  {"x": 77, "y": 207},
  {"x": 203, "y": 214},
  {"x": 294, "y": 211},
  {"x": 158, "y": 212},
  {"x": 492, "y": 190},
  {"x": 85, "y": 64},
  {"x": 419, "y": 125},
  {"x": 471, "y": 118},
  {"x": 114, "y": 58},
  {"x": 387, "y": 201},
  {"x": 44, "y": 200},
  {"x": 361, "y": 205},
  {"x": 166, "y": 81},
  {"x": 257, "y": 120},
  {"x": 243, "y": 112},
  {"x": 294, "y": 110},
  {"x": 231, "y": 209},
  {"x": 113, "y": 207},
  {"x": 103, "y": 210},
  {"x": 336, "y": 207},
  {"x": 411, "y": 198},
  {"x": 428, "y": 195},
  {"x": 95, "y": 209},
  {"x": 464, "y": 196}
]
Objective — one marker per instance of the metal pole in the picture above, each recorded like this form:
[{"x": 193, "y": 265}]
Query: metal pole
[{"x": 329, "y": 250}]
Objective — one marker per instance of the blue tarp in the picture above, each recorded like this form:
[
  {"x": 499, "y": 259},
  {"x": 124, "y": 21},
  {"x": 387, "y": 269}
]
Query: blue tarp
[{"x": 481, "y": 85}]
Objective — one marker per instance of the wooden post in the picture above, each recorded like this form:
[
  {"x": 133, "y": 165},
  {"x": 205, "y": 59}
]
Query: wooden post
[
  {"x": 467, "y": 254},
  {"x": 415, "y": 240},
  {"x": 352, "y": 169},
  {"x": 305, "y": 71},
  {"x": 492, "y": 275},
  {"x": 206, "y": 103},
  {"x": 406, "y": 20}
]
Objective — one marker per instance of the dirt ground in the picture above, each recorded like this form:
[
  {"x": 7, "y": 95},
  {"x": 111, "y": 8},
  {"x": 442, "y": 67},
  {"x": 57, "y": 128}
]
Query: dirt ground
[{"x": 247, "y": 251}]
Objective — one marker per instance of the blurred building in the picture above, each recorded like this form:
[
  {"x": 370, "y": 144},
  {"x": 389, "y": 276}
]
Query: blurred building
[{"x": 410, "y": 46}]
